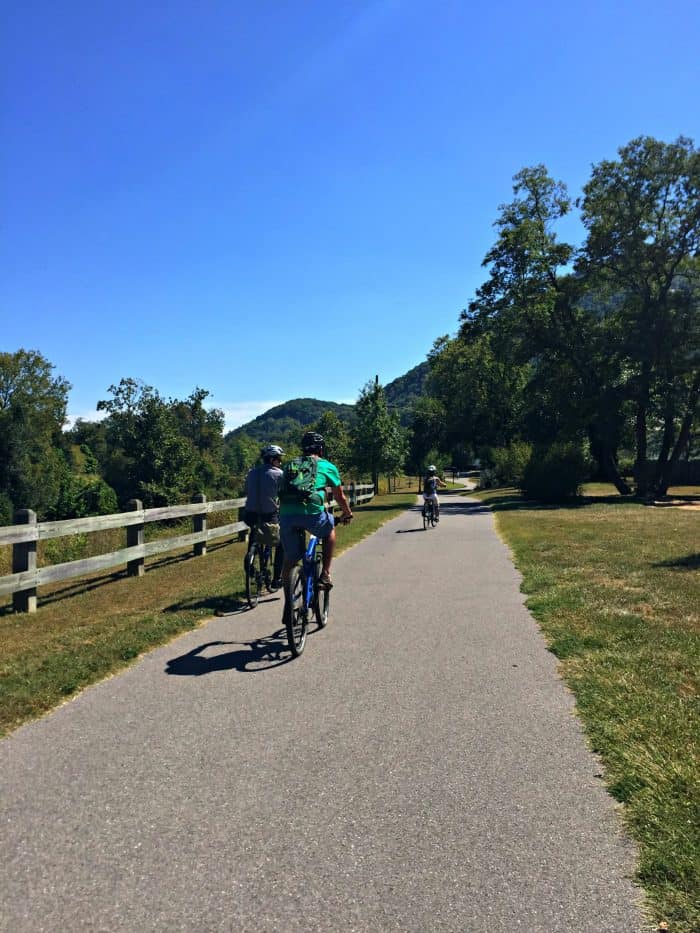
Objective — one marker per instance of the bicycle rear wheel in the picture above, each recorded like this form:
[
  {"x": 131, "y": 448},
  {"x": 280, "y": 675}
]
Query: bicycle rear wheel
[
  {"x": 295, "y": 614},
  {"x": 322, "y": 598},
  {"x": 253, "y": 575},
  {"x": 425, "y": 517}
]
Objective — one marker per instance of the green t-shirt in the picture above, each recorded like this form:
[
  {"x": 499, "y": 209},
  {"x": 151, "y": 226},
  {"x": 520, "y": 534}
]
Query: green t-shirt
[{"x": 326, "y": 475}]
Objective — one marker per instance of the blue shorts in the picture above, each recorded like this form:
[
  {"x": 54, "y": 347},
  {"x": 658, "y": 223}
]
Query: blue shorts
[{"x": 320, "y": 525}]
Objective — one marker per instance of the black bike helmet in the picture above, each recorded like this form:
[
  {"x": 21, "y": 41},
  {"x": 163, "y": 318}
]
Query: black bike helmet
[
  {"x": 271, "y": 451},
  {"x": 312, "y": 443}
]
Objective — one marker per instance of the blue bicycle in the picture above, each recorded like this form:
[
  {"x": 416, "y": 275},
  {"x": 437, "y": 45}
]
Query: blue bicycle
[
  {"x": 303, "y": 594},
  {"x": 303, "y": 597}
]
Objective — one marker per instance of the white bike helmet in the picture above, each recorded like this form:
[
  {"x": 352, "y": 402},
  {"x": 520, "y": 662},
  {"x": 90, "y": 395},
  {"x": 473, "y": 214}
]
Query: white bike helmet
[{"x": 271, "y": 451}]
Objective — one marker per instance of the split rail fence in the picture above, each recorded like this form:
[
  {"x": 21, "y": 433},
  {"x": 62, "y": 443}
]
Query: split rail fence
[{"x": 23, "y": 536}]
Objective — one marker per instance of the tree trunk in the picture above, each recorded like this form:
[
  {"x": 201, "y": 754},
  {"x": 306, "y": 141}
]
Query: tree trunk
[
  {"x": 683, "y": 437},
  {"x": 607, "y": 465},
  {"x": 640, "y": 430},
  {"x": 661, "y": 466},
  {"x": 612, "y": 471}
]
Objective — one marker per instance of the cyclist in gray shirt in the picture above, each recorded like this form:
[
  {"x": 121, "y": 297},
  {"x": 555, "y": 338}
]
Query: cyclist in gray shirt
[{"x": 262, "y": 505}]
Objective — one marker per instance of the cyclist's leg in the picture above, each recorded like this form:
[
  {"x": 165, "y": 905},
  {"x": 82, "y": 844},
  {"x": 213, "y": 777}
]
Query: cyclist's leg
[
  {"x": 292, "y": 548},
  {"x": 436, "y": 505},
  {"x": 277, "y": 571}
]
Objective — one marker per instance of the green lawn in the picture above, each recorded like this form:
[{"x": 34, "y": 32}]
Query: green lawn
[{"x": 615, "y": 586}]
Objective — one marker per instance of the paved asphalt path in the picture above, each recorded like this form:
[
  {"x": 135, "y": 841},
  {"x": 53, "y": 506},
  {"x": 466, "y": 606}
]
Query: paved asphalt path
[{"x": 420, "y": 768}]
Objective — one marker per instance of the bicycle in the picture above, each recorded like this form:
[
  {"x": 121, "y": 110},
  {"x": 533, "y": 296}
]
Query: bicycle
[
  {"x": 428, "y": 513},
  {"x": 257, "y": 569},
  {"x": 303, "y": 596}
]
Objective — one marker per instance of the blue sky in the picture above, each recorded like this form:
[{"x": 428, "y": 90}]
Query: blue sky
[{"x": 280, "y": 199}]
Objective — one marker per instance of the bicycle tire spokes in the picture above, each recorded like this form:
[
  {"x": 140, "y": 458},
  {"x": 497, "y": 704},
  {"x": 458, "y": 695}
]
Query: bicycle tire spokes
[
  {"x": 253, "y": 575},
  {"x": 295, "y": 612},
  {"x": 322, "y": 598}
]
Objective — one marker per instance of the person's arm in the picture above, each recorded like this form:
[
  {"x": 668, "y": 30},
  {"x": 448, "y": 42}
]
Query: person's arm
[
  {"x": 339, "y": 497},
  {"x": 444, "y": 485}
]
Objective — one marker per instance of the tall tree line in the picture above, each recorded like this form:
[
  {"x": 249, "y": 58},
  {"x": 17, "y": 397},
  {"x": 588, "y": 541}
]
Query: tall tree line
[
  {"x": 151, "y": 448},
  {"x": 596, "y": 346}
]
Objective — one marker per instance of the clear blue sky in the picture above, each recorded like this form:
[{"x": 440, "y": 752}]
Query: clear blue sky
[{"x": 275, "y": 199}]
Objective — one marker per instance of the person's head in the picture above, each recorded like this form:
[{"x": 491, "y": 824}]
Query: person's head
[
  {"x": 432, "y": 470},
  {"x": 312, "y": 443},
  {"x": 272, "y": 454}
]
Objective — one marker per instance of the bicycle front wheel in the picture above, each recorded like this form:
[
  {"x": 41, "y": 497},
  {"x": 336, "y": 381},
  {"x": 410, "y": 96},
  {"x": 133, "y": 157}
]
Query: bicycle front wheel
[
  {"x": 295, "y": 615},
  {"x": 253, "y": 575},
  {"x": 322, "y": 599},
  {"x": 425, "y": 518}
]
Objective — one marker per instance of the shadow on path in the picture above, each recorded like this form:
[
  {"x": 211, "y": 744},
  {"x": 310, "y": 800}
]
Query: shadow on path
[
  {"x": 249, "y": 657},
  {"x": 220, "y": 605}
]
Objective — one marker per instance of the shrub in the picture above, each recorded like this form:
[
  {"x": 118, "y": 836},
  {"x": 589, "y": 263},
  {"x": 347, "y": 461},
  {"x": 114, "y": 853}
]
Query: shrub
[
  {"x": 509, "y": 463},
  {"x": 555, "y": 474}
]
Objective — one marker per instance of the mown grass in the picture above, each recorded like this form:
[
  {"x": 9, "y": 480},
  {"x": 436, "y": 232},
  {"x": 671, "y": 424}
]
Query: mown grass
[
  {"x": 615, "y": 587},
  {"x": 87, "y": 629}
]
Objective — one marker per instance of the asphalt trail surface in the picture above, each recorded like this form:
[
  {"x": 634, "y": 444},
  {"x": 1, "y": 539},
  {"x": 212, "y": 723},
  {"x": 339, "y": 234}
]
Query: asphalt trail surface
[{"x": 419, "y": 768}]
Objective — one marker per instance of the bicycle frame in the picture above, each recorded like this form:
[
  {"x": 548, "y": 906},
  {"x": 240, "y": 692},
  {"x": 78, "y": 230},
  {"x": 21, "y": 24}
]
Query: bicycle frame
[{"x": 308, "y": 563}]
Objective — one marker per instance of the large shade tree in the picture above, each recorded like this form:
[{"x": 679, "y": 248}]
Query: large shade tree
[{"x": 642, "y": 213}]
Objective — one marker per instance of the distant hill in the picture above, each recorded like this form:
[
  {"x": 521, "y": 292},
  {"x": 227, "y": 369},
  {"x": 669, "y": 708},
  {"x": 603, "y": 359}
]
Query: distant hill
[
  {"x": 402, "y": 392},
  {"x": 285, "y": 422}
]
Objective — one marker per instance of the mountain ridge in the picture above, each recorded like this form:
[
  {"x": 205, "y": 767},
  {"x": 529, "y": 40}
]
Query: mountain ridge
[{"x": 289, "y": 418}]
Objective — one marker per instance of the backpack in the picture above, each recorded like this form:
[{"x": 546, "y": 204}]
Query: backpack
[{"x": 298, "y": 483}]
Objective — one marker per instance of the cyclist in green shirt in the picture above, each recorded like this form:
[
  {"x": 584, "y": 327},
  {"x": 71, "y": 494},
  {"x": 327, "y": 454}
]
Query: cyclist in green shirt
[{"x": 311, "y": 515}]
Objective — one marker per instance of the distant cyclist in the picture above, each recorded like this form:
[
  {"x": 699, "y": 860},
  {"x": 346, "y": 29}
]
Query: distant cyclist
[
  {"x": 430, "y": 486},
  {"x": 262, "y": 503},
  {"x": 306, "y": 510}
]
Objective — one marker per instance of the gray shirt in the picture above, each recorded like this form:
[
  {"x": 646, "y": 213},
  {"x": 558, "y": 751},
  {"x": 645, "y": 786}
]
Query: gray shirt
[{"x": 261, "y": 487}]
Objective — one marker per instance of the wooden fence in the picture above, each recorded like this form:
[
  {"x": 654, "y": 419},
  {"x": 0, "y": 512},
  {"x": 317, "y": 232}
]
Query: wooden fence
[{"x": 26, "y": 577}]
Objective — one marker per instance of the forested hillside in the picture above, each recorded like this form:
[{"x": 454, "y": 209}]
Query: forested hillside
[
  {"x": 402, "y": 393},
  {"x": 285, "y": 422}
]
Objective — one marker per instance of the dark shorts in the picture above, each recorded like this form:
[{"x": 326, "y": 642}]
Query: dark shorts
[{"x": 320, "y": 525}]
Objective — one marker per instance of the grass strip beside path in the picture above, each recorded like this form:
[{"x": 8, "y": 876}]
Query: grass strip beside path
[
  {"x": 87, "y": 629},
  {"x": 615, "y": 587}
]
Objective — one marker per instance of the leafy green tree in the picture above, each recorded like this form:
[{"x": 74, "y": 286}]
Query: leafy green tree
[
  {"x": 151, "y": 460},
  {"x": 240, "y": 454},
  {"x": 642, "y": 213},
  {"x": 337, "y": 438},
  {"x": 33, "y": 461},
  {"x": 538, "y": 317},
  {"x": 427, "y": 431},
  {"x": 379, "y": 443}
]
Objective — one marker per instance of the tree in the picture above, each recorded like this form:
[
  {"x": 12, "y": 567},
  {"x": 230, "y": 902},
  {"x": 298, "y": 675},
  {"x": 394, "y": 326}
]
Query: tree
[
  {"x": 535, "y": 315},
  {"x": 151, "y": 459},
  {"x": 337, "y": 440},
  {"x": 379, "y": 441},
  {"x": 33, "y": 462},
  {"x": 427, "y": 431},
  {"x": 642, "y": 213}
]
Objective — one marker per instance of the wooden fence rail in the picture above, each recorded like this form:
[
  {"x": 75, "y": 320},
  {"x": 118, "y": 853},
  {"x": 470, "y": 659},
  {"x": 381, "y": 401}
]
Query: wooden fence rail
[{"x": 26, "y": 577}]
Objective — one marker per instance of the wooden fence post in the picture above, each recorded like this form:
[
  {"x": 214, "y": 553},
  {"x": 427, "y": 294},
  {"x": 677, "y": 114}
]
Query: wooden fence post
[
  {"x": 24, "y": 558},
  {"x": 135, "y": 536},
  {"x": 199, "y": 523}
]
